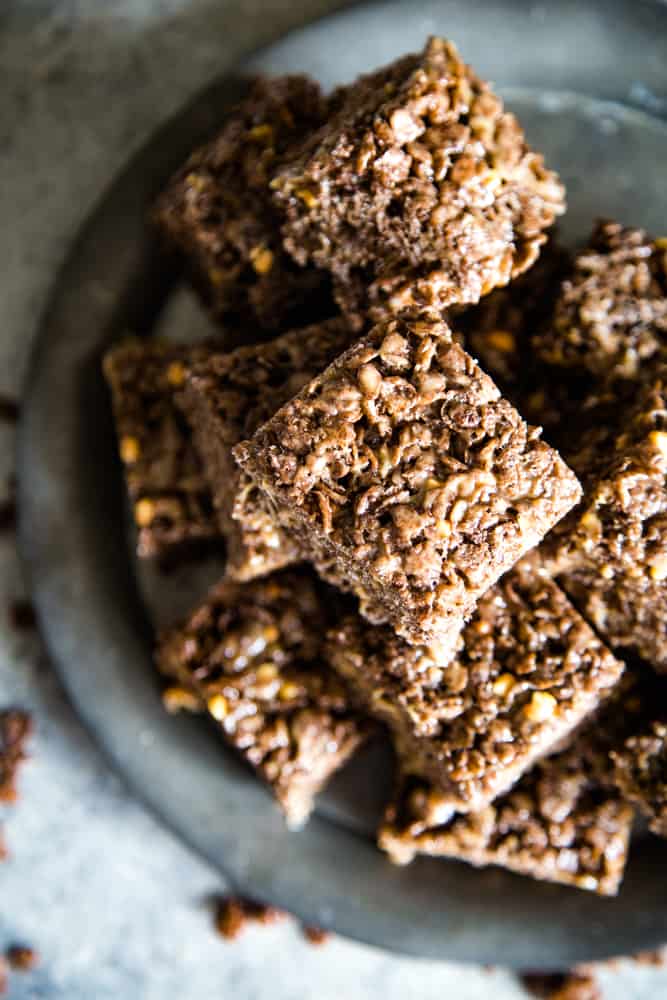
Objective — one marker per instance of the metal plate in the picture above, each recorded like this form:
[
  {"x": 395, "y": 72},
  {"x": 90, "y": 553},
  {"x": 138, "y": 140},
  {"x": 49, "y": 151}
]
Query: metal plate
[{"x": 589, "y": 81}]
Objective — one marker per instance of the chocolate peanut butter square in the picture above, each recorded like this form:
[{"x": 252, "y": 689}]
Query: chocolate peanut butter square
[
  {"x": 640, "y": 773},
  {"x": 403, "y": 467},
  {"x": 421, "y": 180},
  {"x": 226, "y": 397},
  {"x": 613, "y": 562},
  {"x": 252, "y": 655},
  {"x": 217, "y": 211},
  {"x": 560, "y": 823},
  {"x": 610, "y": 318},
  {"x": 170, "y": 497},
  {"x": 528, "y": 670}
]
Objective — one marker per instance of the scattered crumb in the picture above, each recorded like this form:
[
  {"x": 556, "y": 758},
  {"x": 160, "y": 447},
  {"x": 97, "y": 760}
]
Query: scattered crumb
[
  {"x": 658, "y": 958},
  {"x": 22, "y": 615},
  {"x": 575, "y": 985},
  {"x": 7, "y": 516},
  {"x": 15, "y": 729},
  {"x": 9, "y": 409},
  {"x": 22, "y": 957},
  {"x": 232, "y": 913},
  {"x": 315, "y": 935}
]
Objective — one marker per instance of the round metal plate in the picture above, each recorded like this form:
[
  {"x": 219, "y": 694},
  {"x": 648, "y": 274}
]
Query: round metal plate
[{"x": 589, "y": 81}]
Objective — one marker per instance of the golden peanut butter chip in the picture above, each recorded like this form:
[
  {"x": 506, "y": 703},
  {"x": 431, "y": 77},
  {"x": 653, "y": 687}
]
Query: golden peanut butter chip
[
  {"x": 218, "y": 707},
  {"x": 130, "y": 449}
]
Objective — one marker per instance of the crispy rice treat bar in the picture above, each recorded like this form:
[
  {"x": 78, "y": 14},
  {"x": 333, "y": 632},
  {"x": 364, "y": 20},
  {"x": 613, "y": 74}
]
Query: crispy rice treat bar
[
  {"x": 641, "y": 774},
  {"x": 423, "y": 180},
  {"x": 170, "y": 498},
  {"x": 613, "y": 562},
  {"x": 527, "y": 672},
  {"x": 611, "y": 314},
  {"x": 252, "y": 654},
  {"x": 403, "y": 467},
  {"x": 217, "y": 210},
  {"x": 226, "y": 397},
  {"x": 560, "y": 823}
]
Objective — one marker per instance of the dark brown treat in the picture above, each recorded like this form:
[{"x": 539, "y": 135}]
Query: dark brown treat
[
  {"x": 9, "y": 410},
  {"x": 22, "y": 615},
  {"x": 528, "y": 671},
  {"x": 218, "y": 213},
  {"x": 611, "y": 315},
  {"x": 315, "y": 935},
  {"x": 562, "y": 822},
  {"x": 424, "y": 180},
  {"x": 233, "y": 913},
  {"x": 641, "y": 774},
  {"x": 226, "y": 398},
  {"x": 15, "y": 730},
  {"x": 22, "y": 958},
  {"x": 403, "y": 467},
  {"x": 613, "y": 563},
  {"x": 170, "y": 497},
  {"x": 252, "y": 653},
  {"x": 576, "y": 985}
]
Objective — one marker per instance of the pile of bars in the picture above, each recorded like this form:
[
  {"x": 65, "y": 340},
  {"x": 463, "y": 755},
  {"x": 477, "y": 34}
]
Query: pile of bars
[{"x": 403, "y": 545}]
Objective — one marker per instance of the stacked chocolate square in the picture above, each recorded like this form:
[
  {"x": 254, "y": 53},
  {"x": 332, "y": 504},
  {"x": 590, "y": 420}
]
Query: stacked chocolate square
[{"x": 402, "y": 543}]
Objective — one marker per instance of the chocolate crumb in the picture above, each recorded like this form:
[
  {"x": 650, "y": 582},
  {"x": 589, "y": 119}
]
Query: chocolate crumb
[
  {"x": 574, "y": 985},
  {"x": 657, "y": 958},
  {"x": 315, "y": 935},
  {"x": 15, "y": 728},
  {"x": 22, "y": 957},
  {"x": 7, "y": 516},
  {"x": 9, "y": 410},
  {"x": 22, "y": 615},
  {"x": 232, "y": 913}
]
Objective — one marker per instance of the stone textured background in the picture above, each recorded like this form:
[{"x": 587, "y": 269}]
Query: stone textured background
[{"x": 117, "y": 907}]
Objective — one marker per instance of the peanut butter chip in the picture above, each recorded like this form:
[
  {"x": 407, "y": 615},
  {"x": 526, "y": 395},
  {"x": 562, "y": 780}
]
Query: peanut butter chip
[
  {"x": 218, "y": 707},
  {"x": 658, "y": 440},
  {"x": 261, "y": 133},
  {"x": 659, "y": 568},
  {"x": 307, "y": 197},
  {"x": 195, "y": 182},
  {"x": 176, "y": 373},
  {"x": 261, "y": 259},
  {"x": 503, "y": 685},
  {"x": 541, "y": 706},
  {"x": 144, "y": 512},
  {"x": 501, "y": 340},
  {"x": 130, "y": 449},
  {"x": 266, "y": 672}
]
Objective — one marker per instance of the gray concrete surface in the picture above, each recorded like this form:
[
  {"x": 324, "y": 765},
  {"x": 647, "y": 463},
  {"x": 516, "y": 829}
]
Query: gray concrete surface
[{"x": 114, "y": 904}]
